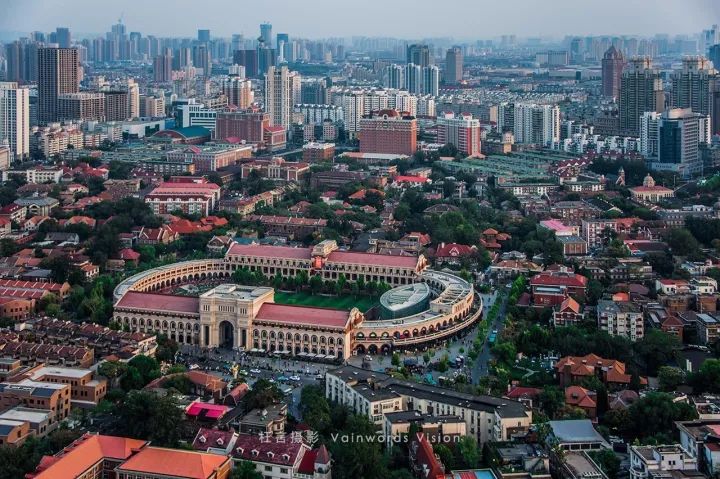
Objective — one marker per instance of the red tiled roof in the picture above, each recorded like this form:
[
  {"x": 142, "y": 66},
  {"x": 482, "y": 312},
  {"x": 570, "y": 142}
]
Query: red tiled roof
[
  {"x": 570, "y": 304},
  {"x": 453, "y": 250},
  {"x": 207, "y": 438},
  {"x": 174, "y": 463},
  {"x": 85, "y": 452},
  {"x": 548, "y": 279},
  {"x": 270, "y": 451},
  {"x": 285, "y": 313},
  {"x": 410, "y": 179},
  {"x": 519, "y": 392},
  {"x": 307, "y": 464},
  {"x": 206, "y": 410},
  {"x": 130, "y": 254},
  {"x": 373, "y": 259},
  {"x": 159, "y": 302},
  {"x": 269, "y": 251},
  {"x": 579, "y": 396}
]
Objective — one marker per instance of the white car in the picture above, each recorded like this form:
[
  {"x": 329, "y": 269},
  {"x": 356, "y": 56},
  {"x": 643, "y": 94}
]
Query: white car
[
  {"x": 294, "y": 378},
  {"x": 255, "y": 371}
]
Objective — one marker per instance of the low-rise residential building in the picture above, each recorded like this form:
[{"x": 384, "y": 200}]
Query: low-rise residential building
[
  {"x": 40, "y": 422},
  {"x": 374, "y": 395},
  {"x": 576, "y": 435},
  {"x": 268, "y": 420},
  {"x": 578, "y": 465},
  {"x": 37, "y": 395},
  {"x": 37, "y": 175},
  {"x": 708, "y": 327},
  {"x": 568, "y": 313},
  {"x": 581, "y": 398},
  {"x": 573, "y": 245},
  {"x": 574, "y": 369},
  {"x": 291, "y": 226},
  {"x": 85, "y": 388},
  {"x": 621, "y": 319},
  {"x": 659, "y": 461},
  {"x": 318, "y": 152}
]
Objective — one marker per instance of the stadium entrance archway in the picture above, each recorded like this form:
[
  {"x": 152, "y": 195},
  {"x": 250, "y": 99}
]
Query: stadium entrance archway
[{"x": 227, "y": 335}]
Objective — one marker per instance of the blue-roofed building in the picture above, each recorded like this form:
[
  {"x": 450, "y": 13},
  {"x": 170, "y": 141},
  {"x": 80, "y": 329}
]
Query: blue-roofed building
[
  {"x": 576, "y": 435},
  {"x": 191, "y": 135},
  {"x": 37, "y": 395}
]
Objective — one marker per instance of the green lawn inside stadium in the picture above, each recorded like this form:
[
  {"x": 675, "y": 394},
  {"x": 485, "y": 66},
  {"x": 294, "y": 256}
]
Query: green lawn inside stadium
[{"x": 363, "y": 303}]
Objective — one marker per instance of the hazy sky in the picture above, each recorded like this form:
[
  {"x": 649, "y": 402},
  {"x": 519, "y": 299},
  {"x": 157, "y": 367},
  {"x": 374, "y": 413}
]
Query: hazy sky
[{"x": 462, "y": 19}]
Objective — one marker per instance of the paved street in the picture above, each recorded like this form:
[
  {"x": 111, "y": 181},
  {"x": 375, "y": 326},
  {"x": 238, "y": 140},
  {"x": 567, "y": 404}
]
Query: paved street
[
  {"x": 218, "y": 362},
  {"x": 480, "y": 367}
]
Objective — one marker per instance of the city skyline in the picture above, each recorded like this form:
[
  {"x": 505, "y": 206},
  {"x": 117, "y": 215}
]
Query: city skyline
[{"x": 479, "y": 19}]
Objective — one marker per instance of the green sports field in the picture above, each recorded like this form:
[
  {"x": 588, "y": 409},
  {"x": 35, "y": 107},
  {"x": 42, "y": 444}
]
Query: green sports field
[{"x": 363, "y": 303}]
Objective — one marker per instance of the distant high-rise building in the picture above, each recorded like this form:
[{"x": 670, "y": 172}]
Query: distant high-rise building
[
  {"x": 419, "y": 55},
  {"x": 238, "y": 41},
  {"x": 714, "y": 55},
  {"x": 238, "y": 91},
  {"x": 680, "y": 132},
  {"x": 266, "y": 34},
  {"x": 649, "y": 134},
  {"x": 152, "y": 106},
  {"x": 203, "y": 36},
  {"x": 117, "y": 105},
  {"x": 283, "y": 48},
  {"x": 454, "y": 65},
  {"x": 247, "y": 59},
  {"x": 182, "y": 59},
  {"x": 202, "y": 59},
  {"x": 613, "y": 63},
  {"x": 430, "y": 80},
  {"x": 414, "y": 78},
  {"x": 82, "y": 106},
  {"x": 58, "y": 73},
  {"x": 16, "y": 60},
  {"x": 63, "y": 37},
  {"x": 282, "y": 92},
  {"x": 395, "y": 76},
  {"x": 462, "y": 130},
  {"x": 531, "y": 123},
  {"x": 15, "y": 119},
  {"x": 692, "y": 85},
  {"x": 641, "y": 90},
  {"x": 266, "y": 57},
  {"x": 162, "y": 68},
  {"x": 314, "y": 92}
]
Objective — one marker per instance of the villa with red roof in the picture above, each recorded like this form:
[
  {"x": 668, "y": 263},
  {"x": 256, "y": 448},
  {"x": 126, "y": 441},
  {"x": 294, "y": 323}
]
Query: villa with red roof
[
  {"x": 573, "y": 369},
  {"x": 581, "y": 398},
  {"x": 453, "y": 253}
]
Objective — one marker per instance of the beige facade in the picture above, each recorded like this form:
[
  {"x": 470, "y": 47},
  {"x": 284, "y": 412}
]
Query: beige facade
[{"x": 247, "y": 317}]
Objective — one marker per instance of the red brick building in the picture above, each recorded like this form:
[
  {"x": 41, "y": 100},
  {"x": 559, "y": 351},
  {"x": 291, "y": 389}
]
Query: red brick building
[
  {"x": 551, "y": 288},
  {"x": 186, "y": 193},
  {"x": 388, "y": 131},
  {"x": 251, "y": 126},
  {"x": 317, "y": 152}
]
